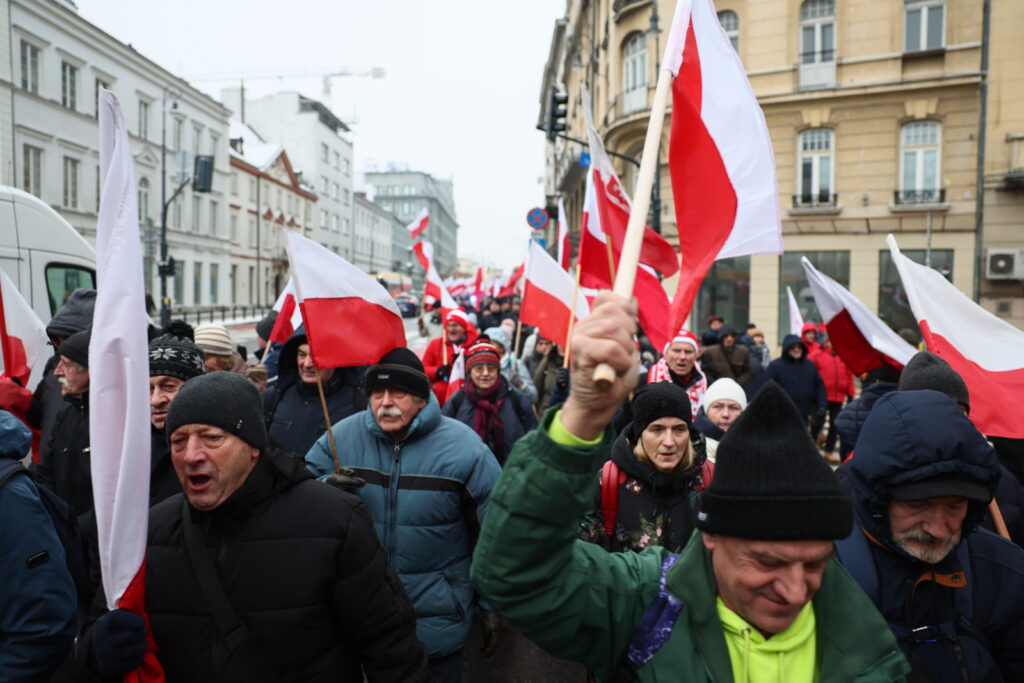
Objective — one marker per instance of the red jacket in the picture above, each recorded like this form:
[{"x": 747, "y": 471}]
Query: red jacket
[
  {"x": 836, "y": 376},
  {"x": 433, "y": 358}
]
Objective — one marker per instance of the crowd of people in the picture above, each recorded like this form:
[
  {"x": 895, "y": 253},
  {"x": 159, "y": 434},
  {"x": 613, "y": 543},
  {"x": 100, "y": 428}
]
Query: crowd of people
[{"x": 692, "y": 521}]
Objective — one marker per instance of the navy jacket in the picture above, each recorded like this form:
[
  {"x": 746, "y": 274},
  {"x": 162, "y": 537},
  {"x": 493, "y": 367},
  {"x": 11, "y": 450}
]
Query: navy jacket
[
  {"x": 798, "y": 377},
  {"x": 852, "y": 417},
  {"x": 517, "y": 416},
  {"x": 911, "y": 436}
]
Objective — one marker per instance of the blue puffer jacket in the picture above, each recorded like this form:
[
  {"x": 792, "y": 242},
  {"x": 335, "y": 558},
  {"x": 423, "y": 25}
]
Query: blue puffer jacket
[
  {"x": 427, "y": 495},
  {"x": 912, "y": 436},
  {"x": 852, "y": 417},
  {"x": 798, "y": 377}
]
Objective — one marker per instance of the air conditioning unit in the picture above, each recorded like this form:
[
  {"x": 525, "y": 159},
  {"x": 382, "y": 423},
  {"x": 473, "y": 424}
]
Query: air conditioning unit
[{"x": 1004, "y": 264}]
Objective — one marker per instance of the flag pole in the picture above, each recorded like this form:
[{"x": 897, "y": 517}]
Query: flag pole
[
  {"x": 572, "y": 319},
  {"x": 604, "y": 374},
  {"x": 327, "y": 421},
  {"x": 997, "y": 519},
  {"x": 515, "y": 344},
  {"x": 444, "y": 342}
]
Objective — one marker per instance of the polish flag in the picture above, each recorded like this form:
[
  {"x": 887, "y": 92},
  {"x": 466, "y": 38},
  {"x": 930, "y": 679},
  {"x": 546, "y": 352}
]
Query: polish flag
[
  {"x": 289, "y": 317},
  {"x": 458, "y": 375},
  {"x": 22, "y": 336},
  {"x": 349, "y": 318},
  {"x": 564, "y": 250},
  {"x": 512, "y": 286},
  {"x": 424, "y": 254},
  {"x": 448, "y": 305},
  {"x": 596, "y": 272},
  {"x": 547, "y": 297},
  {"x": 986, "y": 351},
  {"x": 419, "y": 225},
  {"x": 720, "y": 155},
  {"x": 119, "y": 368},
  {"x": 613, "y": 205},
  {"x": 859, "y": 336},
  {"x": 478, "y": 281},
  {"x": 796, "y": 319}
]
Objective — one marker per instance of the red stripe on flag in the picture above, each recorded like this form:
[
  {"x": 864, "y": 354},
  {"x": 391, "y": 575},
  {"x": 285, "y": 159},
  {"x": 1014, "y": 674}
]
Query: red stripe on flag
[
  {"x": 349, "y": 331},
  {"x": 282, "y": 329},
  {"x": 994, "y": 394},
  {"x": 705, "y": 199},
  {"x": 133, "y": 600},
  {"x": 852, "y": 347},
  {"x": 545, "y": 312}
]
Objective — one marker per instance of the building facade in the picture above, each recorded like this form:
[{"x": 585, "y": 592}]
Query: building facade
[
  {"x": 875, "y": 111},
  {"x": 373, "y": 228},
  {"x": 58, "y": 62}
]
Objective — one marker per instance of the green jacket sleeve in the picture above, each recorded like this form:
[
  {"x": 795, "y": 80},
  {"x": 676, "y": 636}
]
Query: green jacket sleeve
[{"x": 573, "y": 598}]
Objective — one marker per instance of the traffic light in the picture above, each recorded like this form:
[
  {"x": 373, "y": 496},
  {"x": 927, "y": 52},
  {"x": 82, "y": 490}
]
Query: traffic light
[
  {"x": 202, "y": 179},
  {"x": 557, "y": 108}
]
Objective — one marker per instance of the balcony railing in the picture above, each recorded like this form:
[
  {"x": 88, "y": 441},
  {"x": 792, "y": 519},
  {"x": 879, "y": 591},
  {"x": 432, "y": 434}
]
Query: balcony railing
[
  {"x": 935, "y": 196},
  {"x": 815, "y": 201},
  {"x": 817, "y": 70}
]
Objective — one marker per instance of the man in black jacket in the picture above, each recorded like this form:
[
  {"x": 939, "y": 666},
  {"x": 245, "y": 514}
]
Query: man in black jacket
[{"x": 298, "y": 562}]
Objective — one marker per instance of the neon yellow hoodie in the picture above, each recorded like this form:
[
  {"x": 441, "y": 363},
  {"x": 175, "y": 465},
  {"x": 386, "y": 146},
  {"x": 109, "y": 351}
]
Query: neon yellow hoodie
[{"x": 786, "y": 657}]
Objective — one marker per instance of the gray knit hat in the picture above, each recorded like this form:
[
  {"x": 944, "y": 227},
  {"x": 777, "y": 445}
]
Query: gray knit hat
[
  {"x": 220, "y": 399},
  {"x": 925, "y": 370}
]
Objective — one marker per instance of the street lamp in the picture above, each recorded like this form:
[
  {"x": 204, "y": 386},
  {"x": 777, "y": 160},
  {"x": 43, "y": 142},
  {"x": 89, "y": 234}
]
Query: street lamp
[{"x": 656, "y": 190}]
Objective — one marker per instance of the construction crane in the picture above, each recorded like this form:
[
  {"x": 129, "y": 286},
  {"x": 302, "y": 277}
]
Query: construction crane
[{"x": 325, "y": 74}]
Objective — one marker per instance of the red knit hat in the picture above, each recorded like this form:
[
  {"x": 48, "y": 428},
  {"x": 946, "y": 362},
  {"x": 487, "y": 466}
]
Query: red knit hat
[{"x": 685, "y": 336}]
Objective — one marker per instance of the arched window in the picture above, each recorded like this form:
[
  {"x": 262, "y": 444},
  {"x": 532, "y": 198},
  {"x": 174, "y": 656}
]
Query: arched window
[
  {"x": 920, "y": 163},
  {"x": 731, "y": 23},
  {"x": 634, "y": 73},
  {"x": 142, "y": 195},
  {"x": 815, "y": 180},
  {"x": 817, "y": 44}
]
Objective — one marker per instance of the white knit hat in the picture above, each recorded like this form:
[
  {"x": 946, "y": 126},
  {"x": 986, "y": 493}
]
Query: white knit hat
[
  {"x": 725, "y": 388},
  {"x": 214, "y": 340}
]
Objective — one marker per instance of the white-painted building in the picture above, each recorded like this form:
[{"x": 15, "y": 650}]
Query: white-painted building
[
  {"x": 58, "y": 63},
  {"x": 373, "y": 228},
  {"x": 319, "y": 150}
]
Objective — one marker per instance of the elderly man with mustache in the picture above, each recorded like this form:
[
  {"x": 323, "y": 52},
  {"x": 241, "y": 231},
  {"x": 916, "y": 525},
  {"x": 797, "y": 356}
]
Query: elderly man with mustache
[{"x": 428, "y": 481}]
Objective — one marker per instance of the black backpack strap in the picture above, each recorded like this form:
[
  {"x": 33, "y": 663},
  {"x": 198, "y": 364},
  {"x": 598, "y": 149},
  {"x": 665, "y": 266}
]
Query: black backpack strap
[{"x": 245, "y": 657}]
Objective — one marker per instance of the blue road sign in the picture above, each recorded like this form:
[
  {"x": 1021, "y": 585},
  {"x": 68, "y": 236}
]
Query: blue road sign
[{"x": 537, "y": 218}]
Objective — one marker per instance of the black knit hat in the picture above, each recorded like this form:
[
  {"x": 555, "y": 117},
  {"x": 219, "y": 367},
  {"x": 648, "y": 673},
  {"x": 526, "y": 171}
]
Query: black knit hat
[
  {"x": 770, "y": 482},
  {"x": 399, "y": 368},
  {"x": 174, "y": 354},
  {"x": 220, "y": 399},
  {"x": 658, "y": 400},
  {"x": 265, "y": 326},
  {"x": 925, "y": 370},
  {"x": 76, "y": 347}
]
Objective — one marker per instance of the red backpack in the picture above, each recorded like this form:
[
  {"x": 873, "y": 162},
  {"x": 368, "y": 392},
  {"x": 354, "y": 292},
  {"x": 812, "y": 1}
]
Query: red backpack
[{"x": 612, "y": 477}]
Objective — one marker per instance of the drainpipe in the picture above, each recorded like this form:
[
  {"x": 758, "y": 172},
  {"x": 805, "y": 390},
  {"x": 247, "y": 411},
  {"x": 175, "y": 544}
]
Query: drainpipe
[{"x": 979, "y": 201}]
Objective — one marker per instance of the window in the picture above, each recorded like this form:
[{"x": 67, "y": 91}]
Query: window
[
  {"x": 178, "y": 134},
  {"x": 892, "y": 298},
  {"x": 233, "y": 228},
  {"x": 71, "y": 183},
  {"x": 32, "y": 167},
  {"x": 324, "y": 184},
  {"x": 347, "y": 198},
  {"x": 730, "y": 22},
  {"x": 214, "y": 285},
  {"x": 348, "y": 167},
  {"x": 920, "y": 144},
  {"x": 176, "y": 212},
  {"x": 324, "y": 152},
  {"x": 179, "y": 284},
  {"x": 323, "y": 218},
  {"x": 634, "y": 73},
  {"x": 925, "y": 25},
  {"x": 337, "y": 160},
  {"x": 197, "y": 283},
  {"x": 197, "y": 133},
  {"x": 30, "y": 67},
  {"x": 212, "y": 226},
  {"x": 143, "y": 119},
  {"x": 63, "y": 279},
  {"x": 334, "y": 222},
  {"x": 233, "y": 184},
  {"x": 197, "y": 207},
  {"x": 96, "y": 95},
  {"x": 815, "y": 164},
  {"x": 68, "y": 85},
  {"x": 253, "y": 232},
  {"x": 817, "y": 44},
  {"x": 835, "y": 264},
  {"x": 252, "y": 189},
  {"x": 344, "y": 226},
  {"x": 336, "y": 190},
  {"x": 142, "y": 194},
  {"x": 214, "y": 146}
]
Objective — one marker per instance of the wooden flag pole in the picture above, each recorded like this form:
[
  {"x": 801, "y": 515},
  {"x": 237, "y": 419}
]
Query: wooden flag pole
[
  {"x": 572, "y": 319},
  {"x": 444, "y": 342},
  {"x": 327, "y": 421},
  {"x": 997, "y": 519},
  {"x": 515, "y": 344},
  {"x": 604, "y": 374}
]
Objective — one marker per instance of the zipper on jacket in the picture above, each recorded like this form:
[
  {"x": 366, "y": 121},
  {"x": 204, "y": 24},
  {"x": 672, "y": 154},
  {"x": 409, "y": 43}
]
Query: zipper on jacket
[{"x": 393, "y": 504}]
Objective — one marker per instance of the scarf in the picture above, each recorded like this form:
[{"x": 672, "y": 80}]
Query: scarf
[
  {"x": 659, "y": 372},
  {"x": 487, "y": 417}
]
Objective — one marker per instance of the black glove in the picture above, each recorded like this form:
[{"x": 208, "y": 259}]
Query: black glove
[
  {"x": 443, "y": 372},
  {"x": 346, "y": 480},
  {"x": 119, "y": 642},
  {"x": 562, "y": 379},
  {"x": 491, "y": 626}
]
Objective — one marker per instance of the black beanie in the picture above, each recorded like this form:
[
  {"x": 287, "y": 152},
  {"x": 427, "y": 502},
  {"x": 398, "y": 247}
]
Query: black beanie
[
  {"x": 220, "y": 399},
  {"x": 659, "y": 399},
  {"x": 76, "y": 347},
  {"x": 265, "y": 326},
  {"x": 174, "y": 354},
  {"x": 399, "y": 368},
  {"x": 925, "y": 370},
  {"x": 770, "y": 482}
]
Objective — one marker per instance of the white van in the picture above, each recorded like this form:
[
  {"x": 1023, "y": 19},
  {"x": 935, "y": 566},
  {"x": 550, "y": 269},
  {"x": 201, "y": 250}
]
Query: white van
[{"x": 45, "y": 257}]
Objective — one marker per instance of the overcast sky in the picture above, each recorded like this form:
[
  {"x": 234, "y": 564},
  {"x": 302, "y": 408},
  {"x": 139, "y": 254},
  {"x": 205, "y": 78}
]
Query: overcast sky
[{"x": 460, "y": 100}]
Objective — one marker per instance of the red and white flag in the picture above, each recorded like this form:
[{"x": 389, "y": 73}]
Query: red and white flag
[
  {"x": 419, "y": 225},
  {"x": 859, "y": 336},
  {"x": 547, "y": 297},
  {"x": 424, "y": 254},
  {"x": 986, "y": 351},
  {"x": 289, "y": 317},
  {"x": 512, "y": 285},
  {"x": 22, "y": 336},
  {"x": 348, "y": 317},
  {"x": 458, "y": 375},
  {"x": 564, "y": 249},
  {"x": 478, "y": 282},
  {"x": 720, "y": 155},
  {"x": 432, "y": 285},
  {"x": 796, "y": 318},
  {"x": 448, "y": 304},
  {"x": 119, "y": 368}
]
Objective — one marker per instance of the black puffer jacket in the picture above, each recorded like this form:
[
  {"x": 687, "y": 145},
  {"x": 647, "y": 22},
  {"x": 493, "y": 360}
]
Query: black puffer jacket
[
  {"x": 64, "y": 468},
  {"x": 302, "y": 567},
  {"x": 911, "y": 436},
  {"x": 798, "y": 377},
  {"x": 654, "y": 508},
  {"x": 852, "y": 417}
]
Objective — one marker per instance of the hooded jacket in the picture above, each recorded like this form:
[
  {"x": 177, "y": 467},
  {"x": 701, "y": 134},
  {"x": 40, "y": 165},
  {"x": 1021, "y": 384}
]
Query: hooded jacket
[
  {"x": 812, "y": 347},
  {"x": 798, "y": 377},
  {"x": 852, "y": 417},
  {"x": 836, "y": 377},
  {"x": 295, "y": 418},
  {"x": 911, "y": 436},
  {"x": 733, "y": 362},
  {"x": 516, "y": 412},
  {"x": 427, "y": 494}
]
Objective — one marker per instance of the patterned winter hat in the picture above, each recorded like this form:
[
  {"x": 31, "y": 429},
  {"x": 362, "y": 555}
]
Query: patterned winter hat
[
  {"x": 174, "y": 354},
  {"x": 482, "y": 352}
]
